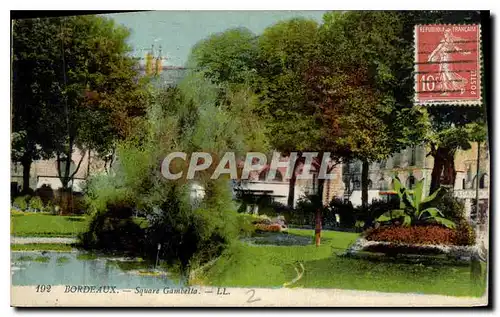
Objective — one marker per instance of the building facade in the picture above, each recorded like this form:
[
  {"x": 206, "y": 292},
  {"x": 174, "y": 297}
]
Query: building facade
[
  {"x": 44, "y": 174},
  {"x": 413, "y": 164},
  {"x": 278, "y": 189}
]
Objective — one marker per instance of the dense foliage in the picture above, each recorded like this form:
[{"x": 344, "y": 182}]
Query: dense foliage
[
  {"x": 75, "y": 87},
  {"x": 415, "y": 209},
  {"x": 188, "y": 230}
]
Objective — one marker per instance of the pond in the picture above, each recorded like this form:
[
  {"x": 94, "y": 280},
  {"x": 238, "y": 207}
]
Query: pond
[{"x": 79, "y": 268}]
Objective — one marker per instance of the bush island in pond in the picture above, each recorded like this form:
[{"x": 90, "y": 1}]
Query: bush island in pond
[
  {"x": 187, "y": 234},
  {"x": 188, "y": 231}
]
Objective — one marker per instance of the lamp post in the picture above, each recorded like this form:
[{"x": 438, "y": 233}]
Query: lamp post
[
  {"x": 157, "y": 255},
  {"x": 477, "y": 181}
]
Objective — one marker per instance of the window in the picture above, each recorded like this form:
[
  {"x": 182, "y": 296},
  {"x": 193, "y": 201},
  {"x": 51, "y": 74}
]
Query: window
[
  {"x": 463, "y": 183},
  {"x": 473, "y": 184},
  {"x": 483, "y": 181}
]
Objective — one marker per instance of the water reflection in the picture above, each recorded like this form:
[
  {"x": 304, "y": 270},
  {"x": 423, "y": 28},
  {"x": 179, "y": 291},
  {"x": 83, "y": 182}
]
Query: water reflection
[{"x": 71, "y": 268}]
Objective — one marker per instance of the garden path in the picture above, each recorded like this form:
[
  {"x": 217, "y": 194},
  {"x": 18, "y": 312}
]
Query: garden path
[{"x": 51, "y": 240}]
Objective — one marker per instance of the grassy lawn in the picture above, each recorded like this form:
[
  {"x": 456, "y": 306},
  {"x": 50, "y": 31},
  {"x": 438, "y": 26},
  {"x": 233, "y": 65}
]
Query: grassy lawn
[
  {"x": 41, "y": 247},
  {"x": 46, "y": 225},
  {"x": 271, "y": 266}
]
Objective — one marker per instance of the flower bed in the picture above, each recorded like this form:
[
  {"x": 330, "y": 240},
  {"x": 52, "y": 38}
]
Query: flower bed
[
  {"x": 423, "y": 235},
  {"x": 268, "y": 228},
  {"x": 264, "y": 224},
  {"x": 420, "y": 241},
  {"x": 457, "y": 252}
]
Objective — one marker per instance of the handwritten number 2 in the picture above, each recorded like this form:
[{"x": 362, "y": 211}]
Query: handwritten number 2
[{"x": 251, "y": 300}]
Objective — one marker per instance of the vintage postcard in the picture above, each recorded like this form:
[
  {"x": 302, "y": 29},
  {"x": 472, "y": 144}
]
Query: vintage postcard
[{"x": 250, "y": 159}]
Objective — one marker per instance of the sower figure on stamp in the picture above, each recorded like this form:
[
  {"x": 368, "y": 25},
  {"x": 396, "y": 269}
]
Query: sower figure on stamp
[{"x": 450, "y": 80}]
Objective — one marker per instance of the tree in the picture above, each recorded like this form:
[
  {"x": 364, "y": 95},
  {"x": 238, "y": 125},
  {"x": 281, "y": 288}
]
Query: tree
[
  {"x": 356, "y": 84},
  {"x": 291, "y": 124},
  {"x": 35, "y": 92},
  {"x": 226, "y": 58},
  {"x": 378, "y": 46},
  {"x": 74, "y": 86},
  {"x": 228, "y": 61},
  {"x": 100, "y": 82},
  {"x": 267, "y": 72}
]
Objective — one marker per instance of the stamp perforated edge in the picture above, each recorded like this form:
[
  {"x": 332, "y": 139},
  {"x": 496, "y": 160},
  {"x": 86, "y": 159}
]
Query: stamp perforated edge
[{"x": 462, "y": 103}]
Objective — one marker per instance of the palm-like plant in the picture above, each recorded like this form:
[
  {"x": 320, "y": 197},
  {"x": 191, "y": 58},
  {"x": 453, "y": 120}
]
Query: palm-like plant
[{"x": 416, "y": 209}]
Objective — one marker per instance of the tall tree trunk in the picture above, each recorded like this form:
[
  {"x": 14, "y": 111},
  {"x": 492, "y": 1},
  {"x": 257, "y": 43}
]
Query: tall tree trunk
[
  {"x": 444, "y": 164},
  {"x": 319, "y": 216},
  {"x": 66, "y": 199},
  {"x": 364, "y": 183},
  {"x": 293, "y": 180},
  {"x": 437, "y": 169},
  {"x": 26, "y": 163},
  {"x": 88, "y": 163}
]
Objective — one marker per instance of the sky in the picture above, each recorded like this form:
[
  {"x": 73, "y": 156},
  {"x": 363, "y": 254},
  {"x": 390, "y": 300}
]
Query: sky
[{"x": 178, "y": 31}]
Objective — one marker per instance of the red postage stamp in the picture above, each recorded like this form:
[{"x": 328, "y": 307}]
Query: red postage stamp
[{"x": 447, "y": 64}]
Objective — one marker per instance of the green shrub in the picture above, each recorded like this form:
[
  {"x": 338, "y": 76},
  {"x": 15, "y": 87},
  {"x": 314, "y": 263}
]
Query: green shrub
[
  {"x": 193, "y": 236},
  {"x": 265, "y": 204},
  {"x": 376, "y": 208},
  {"x": 452, "y": 208},
  {"x": 21, "y": 202},
  {"x": 111, "y": 207},
  {"x": 245, "y": 224},
  {"x": 108, "y": 233},
  {"x": 49, "y": 207},
  {"x": 346, "y": 212},
  {"x": 415, "y": 209},
  {"x": 268, "y": 211},
  {"x": 304, "y": 213},
  {"x": 99, "y": 190},
  {"x": 465, "y": 234},
  {"x": 36, "y": 204}
]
